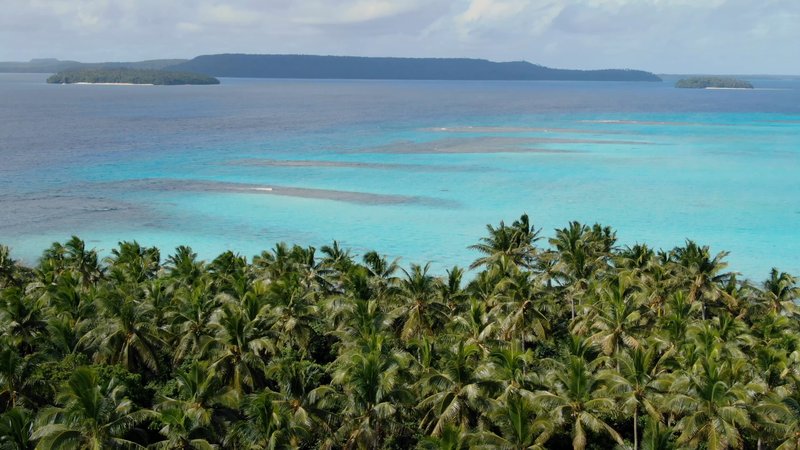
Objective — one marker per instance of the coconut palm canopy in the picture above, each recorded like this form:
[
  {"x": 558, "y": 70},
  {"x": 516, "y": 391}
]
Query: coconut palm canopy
[{"x": 567, "y": 342}]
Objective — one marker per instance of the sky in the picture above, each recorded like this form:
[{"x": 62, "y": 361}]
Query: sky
[{"x": 663, "y": 36}]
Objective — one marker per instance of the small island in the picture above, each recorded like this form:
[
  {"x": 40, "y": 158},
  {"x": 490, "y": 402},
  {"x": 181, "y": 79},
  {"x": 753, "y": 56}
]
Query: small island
[
  {"x": 129, "y": 76},
  {"x": 713, "y": 83}
]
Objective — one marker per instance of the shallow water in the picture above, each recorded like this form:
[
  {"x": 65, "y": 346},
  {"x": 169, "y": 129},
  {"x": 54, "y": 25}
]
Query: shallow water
[{"x": 412, "y": 169}]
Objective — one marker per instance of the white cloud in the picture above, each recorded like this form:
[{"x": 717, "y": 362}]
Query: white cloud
[
  {"x": 659, "y": 35},
  {"x": 228, "y": 15},
  {"x": 188, "y": 27},
  {"x": 354, "y": 12}
]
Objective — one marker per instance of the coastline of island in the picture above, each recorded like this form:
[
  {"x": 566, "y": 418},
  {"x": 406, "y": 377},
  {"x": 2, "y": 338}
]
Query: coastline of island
[
  {"x": 130, "y": 77},
  {"x": 111, "y": 84},
  {"x": 713, "y": 82}
]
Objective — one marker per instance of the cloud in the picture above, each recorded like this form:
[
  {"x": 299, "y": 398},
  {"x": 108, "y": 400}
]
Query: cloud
[
  {"x": 660, "y": 35},
  {"x": 506, "y": 17},
  {"x": 354, "y": 12},
  {"x": 227, "y": 15}
]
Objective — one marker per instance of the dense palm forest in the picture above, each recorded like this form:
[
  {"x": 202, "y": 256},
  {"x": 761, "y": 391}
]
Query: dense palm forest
[
  {"x": 130, "y": 76},
  {"x": 571, "y": 342}
]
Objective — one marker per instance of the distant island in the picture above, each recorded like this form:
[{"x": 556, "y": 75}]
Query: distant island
[
  {"x": 379, "y": 68},
  {"x": 53, "y": 65},
  {"x": 341, "y": 67},
  {"x": 129, "y": 76},
  {"x": 713, "y": 83}
]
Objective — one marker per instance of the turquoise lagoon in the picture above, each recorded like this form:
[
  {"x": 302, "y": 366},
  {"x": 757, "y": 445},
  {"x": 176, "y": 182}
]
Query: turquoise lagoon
[{"x": 414, "y": 170}]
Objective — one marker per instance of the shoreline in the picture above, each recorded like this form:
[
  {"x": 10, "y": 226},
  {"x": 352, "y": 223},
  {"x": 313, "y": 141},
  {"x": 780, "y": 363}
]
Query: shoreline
[{"x": 112, "y": 84}]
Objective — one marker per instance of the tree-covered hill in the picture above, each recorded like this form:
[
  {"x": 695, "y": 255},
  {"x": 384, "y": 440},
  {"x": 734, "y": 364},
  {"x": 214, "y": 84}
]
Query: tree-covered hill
[
  {"x": 52, "y": 65},
  {"x": 566, "y": 342},
  {"x": 352, "y": 67},
  {"x": 131, "y": 76},
  {"x": 712, "y": 82}
]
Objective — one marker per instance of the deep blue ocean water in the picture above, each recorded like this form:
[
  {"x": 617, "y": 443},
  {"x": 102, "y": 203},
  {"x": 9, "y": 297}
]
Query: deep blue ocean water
[{"x": 413, "y": 169}]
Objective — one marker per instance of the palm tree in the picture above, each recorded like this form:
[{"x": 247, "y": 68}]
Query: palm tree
[
  {"x": 273, "y": 264},
  {"x": 230, "y": 273},
  {"x": 131, "y": 262},
  {"x": 373, "y": 392},
  {"x": 578, "y": 399},
  {"x": 519, "y": 426},
  {"x": 268, "y": 424},
  {"x": 93, "y": 414},
  {"x": 511, "y": 367},
  {"x": 487, "y": 286},
  {"x": 313, "y": 273},
  {"x": 84, "y": 262},
  {"x": 617, "y": 318},
  {"x": 475, "y": 326},
  {"x": 451, "y": 438},
  {"x": 790, "y": 417},
  {"x": 522, "y": 309},
  {"x": 781, "y": 292},
  {"x": 65, "y": 297},
  {"x": 336, "y": 257},
  {"x": 8, "y": 268},
  {"x": 421, "y": 311},
  {"x": 702, "y": 273},
  {"x": 293, "y": 311},
  {"x": 675, "y": 323},
  {"x": 580, "y": 255},
  {"x": 191, "y": 317},
  {"x": 21, "y": 319},
  {"x": 358, "y": 316},
  {"x": 456, "y": 393},
  {"x": 381, "y": 272},
  {"x": 181, "y": 430},
  {"x": 237, "y": 347},
  {"x": 126, "y": 333},
  {"x": 184, "y": 267},
  {"x": 451, "y": 292},
  {"x": 639, "y": 380},
  {"x": 16, "y": 429},
  {"x": 713, "y": 404},
  {"x": 15, "y": 377},
  {"x": 514, "y": 242},
  {"x": 302, "y": 394},
  {"x": 203, "y": 397},
  {"x": 658, "y": 437}
]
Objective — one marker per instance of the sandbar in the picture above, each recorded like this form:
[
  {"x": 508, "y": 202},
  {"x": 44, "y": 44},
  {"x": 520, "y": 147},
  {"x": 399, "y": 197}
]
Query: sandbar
[
  {"x": 492, "y": 144},
  {"x": 347, "y": 164},
  {"x": 511, "y": 130},
  {"x": 366, "y": 198}
]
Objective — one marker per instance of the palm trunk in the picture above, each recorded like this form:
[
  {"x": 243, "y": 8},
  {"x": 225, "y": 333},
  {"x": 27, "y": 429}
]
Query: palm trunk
[
  {"x": 572, "y": 306},
  {"x": 636, "y": 428}
]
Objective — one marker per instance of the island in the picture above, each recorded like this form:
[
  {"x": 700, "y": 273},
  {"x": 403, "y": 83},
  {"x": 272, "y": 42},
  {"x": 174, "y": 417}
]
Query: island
[
  {"x": 123, "y": 75},
  {"x": 712, "y": 83},
  {"x": 53, "y": 65},
  {"x": 385, "y": 68}
]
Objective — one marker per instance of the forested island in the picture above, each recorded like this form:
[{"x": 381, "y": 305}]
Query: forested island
[
  {"x": 352, "y": 67},
  {"x": 53, "y": 65},
  {"x": 124, "y": 75},
  {"x": 713, "y": 82},
  {"x": 342, "y": 67},
  {"x": 570, "y": 342}
]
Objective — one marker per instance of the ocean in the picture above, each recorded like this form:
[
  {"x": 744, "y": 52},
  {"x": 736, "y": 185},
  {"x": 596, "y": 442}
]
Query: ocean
[{"x": 412, "y": 169}]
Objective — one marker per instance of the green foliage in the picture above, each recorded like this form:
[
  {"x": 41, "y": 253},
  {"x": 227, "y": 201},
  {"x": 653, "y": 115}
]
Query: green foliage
[
  {"x": 712, "y": 82},
  {"x": 577, "y": 344},
  {"x": 129, "y": 76}
]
